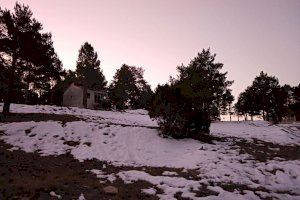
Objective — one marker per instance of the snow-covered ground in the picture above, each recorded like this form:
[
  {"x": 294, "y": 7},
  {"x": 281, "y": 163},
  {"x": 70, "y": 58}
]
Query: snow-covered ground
[
  {"x": 285, "y": 134},
  {"x": 102, "y": 135},
  {"x": 130, "y": 117}
]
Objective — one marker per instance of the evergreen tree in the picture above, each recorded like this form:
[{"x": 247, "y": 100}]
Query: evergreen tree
[
  {"x": 264, "y": 95},
  {"x": 295, "y": 101},
  {"x": 88, "y": 70},
  {"x": 55, "y": 94},
  {"x": 251, "y": 102},
  {"x": 264, "y": 85},
  {"x": 129, "y": 89},
  {"x": 185, "y": 106},
  {"x": 278, "y": 107},
  {"x": 27, "y": 55},
  {"x": 226, "y": 102},
  {"x": 239, "y": 106}
]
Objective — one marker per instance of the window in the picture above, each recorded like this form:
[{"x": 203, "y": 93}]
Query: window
[
  {"x": 88, "y": 95},
  {"x": 98, "y": 97}
]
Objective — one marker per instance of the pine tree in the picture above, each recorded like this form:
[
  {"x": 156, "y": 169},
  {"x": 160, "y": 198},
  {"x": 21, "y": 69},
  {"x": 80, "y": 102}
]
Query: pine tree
[
  {"x": 186, "y": 106},
  {"x": 226, "y": 102},
  {"x": 263, "y": 85},
  {"x": 278, "y": 107},
  {"x": 247, "y": 103},
  {"x": 27, "y": 55},
  {"x": 264, "y": 95},
  {"x": 129, "y": 89},
  {"x": 295, "y": 104},
  {"x": 239, "y": 106},
  {"x": 55, "y": 94},
  {"x": 88, "y": 70}
]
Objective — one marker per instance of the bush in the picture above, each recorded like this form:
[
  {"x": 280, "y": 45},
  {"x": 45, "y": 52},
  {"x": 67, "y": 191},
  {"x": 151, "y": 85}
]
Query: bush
[
  {"x": 185, "y": 106},
  {"x": 175, "y": 115}
]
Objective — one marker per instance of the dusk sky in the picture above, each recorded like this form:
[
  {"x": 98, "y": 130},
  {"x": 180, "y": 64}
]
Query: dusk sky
[{"x": 247, "y": 36}]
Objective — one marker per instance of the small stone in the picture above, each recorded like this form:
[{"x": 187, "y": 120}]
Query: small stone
[{"x": 110, "y": 190}]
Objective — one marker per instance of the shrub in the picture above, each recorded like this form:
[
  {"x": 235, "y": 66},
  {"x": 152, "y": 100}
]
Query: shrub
[{"x": 185, "y": 106}]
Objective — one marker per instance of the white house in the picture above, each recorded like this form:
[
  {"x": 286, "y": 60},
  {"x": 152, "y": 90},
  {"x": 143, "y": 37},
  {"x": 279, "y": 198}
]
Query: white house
[{"x": 73, "y": 97}]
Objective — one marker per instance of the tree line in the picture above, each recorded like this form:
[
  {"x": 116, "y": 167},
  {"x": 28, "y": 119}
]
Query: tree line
[
  {"x": 266, "y": 97},
  {"x": 31, "y": 72}
]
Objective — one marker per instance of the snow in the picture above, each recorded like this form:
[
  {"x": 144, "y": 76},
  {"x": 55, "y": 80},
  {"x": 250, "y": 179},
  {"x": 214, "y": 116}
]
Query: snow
[
  {"x": 129, "y": 117},
  {"x": 260, "y": 130},
  {"x": 81, "y": 197},
  {"x": 173, "y": 185},
  {"x": 101, "y": 175},
  {"x": 53, "y": 194},
  {"x": 103, "y": 136},
  {"x": 170, "y": 185},
  {"x": 135, "y": 146},
  {"x": 150, "y": 191},
  {"x": 167, "y": 173}
]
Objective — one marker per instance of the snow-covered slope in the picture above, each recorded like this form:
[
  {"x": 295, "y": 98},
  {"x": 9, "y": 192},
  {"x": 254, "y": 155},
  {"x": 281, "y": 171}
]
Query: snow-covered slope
[
  {"x": 129, "y": 117},
  {"x": 99, "y": 136},
  {"x": 260, "y": 130}
]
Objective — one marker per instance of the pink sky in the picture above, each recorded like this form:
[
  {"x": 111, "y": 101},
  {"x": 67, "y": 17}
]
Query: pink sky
[{"x": 247, "y": 36}]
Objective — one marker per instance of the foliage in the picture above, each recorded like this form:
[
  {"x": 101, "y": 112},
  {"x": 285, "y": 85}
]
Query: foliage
[
  {"x": 55, "y": 94},
  {"x": 265, "y": 96},
  {"x": 129, "y": 89},
  {"x": 226, "y": 102},
  {"x": 27, "y": 56},
  {"x": 247, "y": 103},
  {"x": 186, "y": 106},
  {"x": 295, "y": 101},
  {"x": 88, "y": 70}
]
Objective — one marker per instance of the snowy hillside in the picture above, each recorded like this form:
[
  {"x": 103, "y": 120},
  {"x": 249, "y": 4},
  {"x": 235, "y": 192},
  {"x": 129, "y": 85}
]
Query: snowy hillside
[{"x": 131, "y": 138}]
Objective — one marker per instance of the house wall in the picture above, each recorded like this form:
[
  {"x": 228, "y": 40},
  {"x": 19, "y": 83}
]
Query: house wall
[
  {"x": 73, "y": 96},
  {"x": 90, "y": 99},
  {"x": 91, "y": 104}
]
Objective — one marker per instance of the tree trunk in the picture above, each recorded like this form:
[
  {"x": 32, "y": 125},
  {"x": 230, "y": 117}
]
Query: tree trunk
[
  {"x": 267, "y": 116},
  {"x": 84, "y": 96},
  {"x": 8, "y": 96},
  {"x": 6, "y": 107},
  {"x": 11, "y": 84},
  {"x": 251, "y": 117},
  {"x": 27, "y": 93},
  {"x": 51, "y": 99}
]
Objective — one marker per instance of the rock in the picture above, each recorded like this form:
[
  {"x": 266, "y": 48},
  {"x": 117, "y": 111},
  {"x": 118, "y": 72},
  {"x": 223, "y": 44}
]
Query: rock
[{"x": 110, "y": 190}]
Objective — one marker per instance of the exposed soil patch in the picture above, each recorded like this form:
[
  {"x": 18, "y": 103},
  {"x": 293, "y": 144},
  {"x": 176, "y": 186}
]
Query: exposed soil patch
[
  {"x": 28, "y": 175},
  {"x": 263, "y": 151},
  {"x": 37, "y": 117},
  {"x": 204, "y": 191}
]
